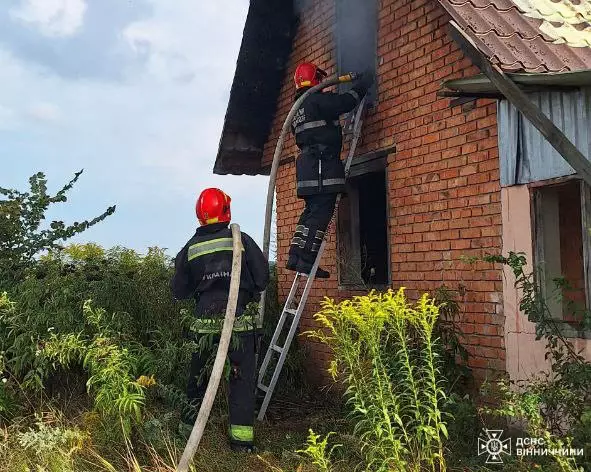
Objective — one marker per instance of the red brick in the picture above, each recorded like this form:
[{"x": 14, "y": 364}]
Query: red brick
[
  {"x": 443, "y": 178},
  {"x": 460, "y": 244}
]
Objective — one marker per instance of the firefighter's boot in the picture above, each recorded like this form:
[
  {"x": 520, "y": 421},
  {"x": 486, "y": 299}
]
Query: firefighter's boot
[{"x": 298, "y": 264}]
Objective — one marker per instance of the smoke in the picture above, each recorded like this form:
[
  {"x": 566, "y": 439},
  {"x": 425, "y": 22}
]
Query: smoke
[
  {"x": 355, "y": 35},
  {"x": 300, "y": 5},
  {"x": 354, "y": 32}
]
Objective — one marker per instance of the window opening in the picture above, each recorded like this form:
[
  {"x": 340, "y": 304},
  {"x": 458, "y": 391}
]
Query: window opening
[
  {"x": 562, "y": 248},
  {"x": 363, "y": 232}
]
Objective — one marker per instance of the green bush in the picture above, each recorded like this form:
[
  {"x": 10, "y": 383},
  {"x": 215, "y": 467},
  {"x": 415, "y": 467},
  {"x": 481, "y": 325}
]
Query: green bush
[
  {"x": 131, "y": 288},
  {"x": 391, "y": 365}
]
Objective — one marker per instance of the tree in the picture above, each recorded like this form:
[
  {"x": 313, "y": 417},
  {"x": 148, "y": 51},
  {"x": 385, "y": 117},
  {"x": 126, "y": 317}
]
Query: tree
[{"x": 21, "y": 234}]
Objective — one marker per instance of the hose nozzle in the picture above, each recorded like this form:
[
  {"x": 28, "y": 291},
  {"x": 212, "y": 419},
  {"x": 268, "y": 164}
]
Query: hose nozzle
[{"x": 351, "y": 76}]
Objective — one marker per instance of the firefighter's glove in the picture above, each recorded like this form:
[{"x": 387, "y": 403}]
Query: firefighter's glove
[{"x": 366, "y": 79}]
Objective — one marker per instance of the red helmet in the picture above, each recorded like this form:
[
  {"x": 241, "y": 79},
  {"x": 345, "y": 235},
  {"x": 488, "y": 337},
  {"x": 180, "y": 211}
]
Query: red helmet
[
  {"x": 213, "y": 206},
  {"x": 308, "y": 75}
]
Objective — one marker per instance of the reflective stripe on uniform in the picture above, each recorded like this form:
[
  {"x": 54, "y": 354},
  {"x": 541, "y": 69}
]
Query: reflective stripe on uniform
[
  {"x": 302, "y": 229},
  {"x": 314, "y": 183},
  {"x": 297, "y": 241},
  {"x": 214, "y": 325},
  {"x": 355, "y": 95},
  {"x": 242, "y": 433},
  {"x": 209, "y": 247},
  {"x": 314, "y": 124}
]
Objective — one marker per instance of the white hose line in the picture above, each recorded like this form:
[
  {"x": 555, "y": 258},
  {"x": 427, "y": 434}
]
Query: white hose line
[{"x": 220, "y": 360}]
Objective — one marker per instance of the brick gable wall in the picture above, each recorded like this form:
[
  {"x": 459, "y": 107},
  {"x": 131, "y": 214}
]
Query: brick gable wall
[{"x": 443, "y": 178}]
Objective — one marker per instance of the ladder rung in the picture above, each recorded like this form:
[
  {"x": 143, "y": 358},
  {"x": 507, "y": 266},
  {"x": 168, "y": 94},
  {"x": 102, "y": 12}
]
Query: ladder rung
[
  {"x": 277, "y": 348},
  {"x": 291, "y": 311},
  {"x": 264, "y": 388}
]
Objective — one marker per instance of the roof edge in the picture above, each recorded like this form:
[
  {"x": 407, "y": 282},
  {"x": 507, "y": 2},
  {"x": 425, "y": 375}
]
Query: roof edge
[
  {"x": 266, "y": 46},
  {"x": 481, "y": 84}
]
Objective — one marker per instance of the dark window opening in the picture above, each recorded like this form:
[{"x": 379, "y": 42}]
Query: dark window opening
[
  {"x": 357, "y": 39},
  {"x": 363, "y": 232},
  {"x": 560, "y": 248}
]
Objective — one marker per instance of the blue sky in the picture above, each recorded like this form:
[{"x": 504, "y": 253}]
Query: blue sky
[{"x": 132, "y": 91}]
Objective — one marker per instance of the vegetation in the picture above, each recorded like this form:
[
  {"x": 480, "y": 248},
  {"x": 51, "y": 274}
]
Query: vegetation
[
  {"x": 558, "y": 405},
  {"x": 94, "y": 353},
  {"x": 389, "y": 358},
  {"x": 21, "y": 216}
]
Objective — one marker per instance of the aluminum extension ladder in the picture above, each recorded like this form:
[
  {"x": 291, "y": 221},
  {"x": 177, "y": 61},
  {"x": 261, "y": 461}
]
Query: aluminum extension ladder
[{"x": 296, "y": 312}]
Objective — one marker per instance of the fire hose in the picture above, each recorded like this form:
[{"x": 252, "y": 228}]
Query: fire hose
[
  {"x": 222, "y": 352},
  {"x": 273, "y": 174},
  {"x": 220, "y": 359}
]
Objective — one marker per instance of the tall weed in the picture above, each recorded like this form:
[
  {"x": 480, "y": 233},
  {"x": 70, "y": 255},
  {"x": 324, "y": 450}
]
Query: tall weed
[
  {"x": 389, "y": 359},
  {"x": 114, "y": 370}
]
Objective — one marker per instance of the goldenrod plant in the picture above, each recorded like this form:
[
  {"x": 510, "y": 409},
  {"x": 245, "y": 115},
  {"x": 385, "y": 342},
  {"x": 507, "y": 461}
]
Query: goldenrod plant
[
  {"x": 316, "y": 450},
  {"x": 388, "y": 358}
]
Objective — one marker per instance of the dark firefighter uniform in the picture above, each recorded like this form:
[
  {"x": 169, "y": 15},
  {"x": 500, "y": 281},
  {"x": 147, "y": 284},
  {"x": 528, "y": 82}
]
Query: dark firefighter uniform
[
  {"x": 203, "y": 270},
  {"x": 320, "y": 172}
]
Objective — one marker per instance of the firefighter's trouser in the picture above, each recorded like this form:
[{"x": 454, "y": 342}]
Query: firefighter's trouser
[
  {"x": 312, "y": 225},
  {"x": 241, "y": 385}
]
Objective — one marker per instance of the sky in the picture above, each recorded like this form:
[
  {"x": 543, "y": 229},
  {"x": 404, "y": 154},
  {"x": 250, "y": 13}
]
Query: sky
[{"x": 135, "y": 93}]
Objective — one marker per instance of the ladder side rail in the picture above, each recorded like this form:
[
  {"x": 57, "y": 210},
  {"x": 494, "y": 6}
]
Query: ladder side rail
[
  {"x": 278, "y": 330},
  {"x": 309, "y": 283},
  {"x": 286, "y": 346}
]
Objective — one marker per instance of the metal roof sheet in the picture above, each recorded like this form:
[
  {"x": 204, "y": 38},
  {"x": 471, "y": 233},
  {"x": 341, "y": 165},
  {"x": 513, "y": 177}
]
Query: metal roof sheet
[{"x": 528, "y": 35}]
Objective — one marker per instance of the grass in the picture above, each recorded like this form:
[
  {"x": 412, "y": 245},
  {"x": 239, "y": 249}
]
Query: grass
[
  {"x": 277, "y": 439},
  {"x": 92, "y": 446}
]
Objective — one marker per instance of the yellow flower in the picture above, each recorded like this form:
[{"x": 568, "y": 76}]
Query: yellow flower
[{"x": 146, "y": 381}]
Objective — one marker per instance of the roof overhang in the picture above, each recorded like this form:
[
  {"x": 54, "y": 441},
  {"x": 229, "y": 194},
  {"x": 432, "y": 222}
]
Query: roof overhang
[
  {"x": 266, "y": 45},
  {"x": 480, "y": 85}
]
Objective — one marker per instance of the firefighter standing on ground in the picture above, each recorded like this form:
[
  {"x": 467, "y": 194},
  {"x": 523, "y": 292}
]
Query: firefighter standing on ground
[
  {"x": 320, "y": 172},
  {"x": 203, "y": 270}
]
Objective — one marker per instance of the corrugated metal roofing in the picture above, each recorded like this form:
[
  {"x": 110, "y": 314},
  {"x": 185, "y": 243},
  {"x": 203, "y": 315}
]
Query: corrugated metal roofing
[{"x": 528, "y": 35}]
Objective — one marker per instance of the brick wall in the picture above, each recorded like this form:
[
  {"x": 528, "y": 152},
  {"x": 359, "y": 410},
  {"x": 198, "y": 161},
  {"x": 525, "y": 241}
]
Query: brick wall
[{"x": 443, "y": 179}]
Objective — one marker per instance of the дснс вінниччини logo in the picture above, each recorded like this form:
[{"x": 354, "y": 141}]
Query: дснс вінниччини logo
[{"x": 490, "y": 443}]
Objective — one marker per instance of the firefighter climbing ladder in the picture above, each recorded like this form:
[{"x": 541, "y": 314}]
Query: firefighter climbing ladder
[{"x": 295, "y": 312}]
